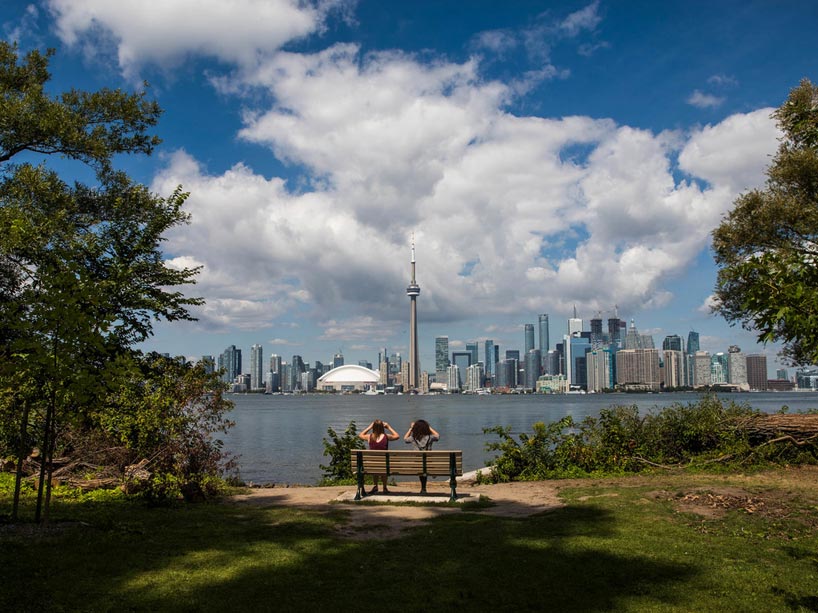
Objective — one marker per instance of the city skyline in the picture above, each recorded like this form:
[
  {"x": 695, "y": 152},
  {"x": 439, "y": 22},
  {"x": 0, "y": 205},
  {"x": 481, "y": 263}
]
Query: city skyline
[{"x": 546, "y": 155}]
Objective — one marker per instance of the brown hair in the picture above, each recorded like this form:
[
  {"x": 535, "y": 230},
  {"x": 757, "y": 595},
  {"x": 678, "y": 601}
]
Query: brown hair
[
  {"x": 377, "y": 428},
  {"x": 421, "y": 429}
]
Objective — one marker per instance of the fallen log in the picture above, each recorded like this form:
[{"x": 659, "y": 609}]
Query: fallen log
[{"x": 799, "y": 427}]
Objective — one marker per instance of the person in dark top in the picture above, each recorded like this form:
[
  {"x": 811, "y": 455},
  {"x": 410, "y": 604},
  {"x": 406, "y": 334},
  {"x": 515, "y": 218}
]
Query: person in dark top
[
  {"x": 422, "y": 436},
  {"x": 378, "y": 434}
]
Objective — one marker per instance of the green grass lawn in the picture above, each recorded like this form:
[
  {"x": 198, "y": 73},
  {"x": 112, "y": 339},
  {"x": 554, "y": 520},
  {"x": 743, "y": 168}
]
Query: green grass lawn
[{"x": 631, "y": 545}]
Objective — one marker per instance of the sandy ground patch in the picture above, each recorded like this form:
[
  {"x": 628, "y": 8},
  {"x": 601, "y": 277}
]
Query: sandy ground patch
[
  {"x": 707, "y": 495},
  {"x": 389, "y": 520}
]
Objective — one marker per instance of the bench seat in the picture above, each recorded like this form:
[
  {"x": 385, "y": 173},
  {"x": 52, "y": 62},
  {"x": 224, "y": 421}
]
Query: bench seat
[{"x": 407, "y": 462}]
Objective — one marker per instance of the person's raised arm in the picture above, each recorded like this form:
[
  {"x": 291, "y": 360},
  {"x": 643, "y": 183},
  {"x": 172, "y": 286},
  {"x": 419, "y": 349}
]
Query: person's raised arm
[
  {"x": 408, "y": 436},
  {"x": 365, "y": 432},
  {"x": 434, "y": 432},
  {"x": 391, "y": 434}
]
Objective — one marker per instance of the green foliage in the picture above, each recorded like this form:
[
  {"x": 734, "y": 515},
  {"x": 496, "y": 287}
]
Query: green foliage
[
  {"x": 169, "y": 412},
  {"x": 766, "y": 247},
  {"x": 82, "y": 274},
  {"x": 622, "y": 441},
  {"x": 338, "y": 448}
]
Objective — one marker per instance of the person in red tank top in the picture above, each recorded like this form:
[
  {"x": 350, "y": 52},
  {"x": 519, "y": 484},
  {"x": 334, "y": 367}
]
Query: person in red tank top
[{"x": 378, "y": 434}]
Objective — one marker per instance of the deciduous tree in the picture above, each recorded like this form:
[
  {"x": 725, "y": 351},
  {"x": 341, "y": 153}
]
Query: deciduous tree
[
  {"x": 767, "y": 246},
  {"x": 82, "y": 274}
]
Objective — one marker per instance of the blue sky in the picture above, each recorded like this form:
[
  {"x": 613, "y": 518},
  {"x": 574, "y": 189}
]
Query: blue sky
[{"x": 545, "y": 155}]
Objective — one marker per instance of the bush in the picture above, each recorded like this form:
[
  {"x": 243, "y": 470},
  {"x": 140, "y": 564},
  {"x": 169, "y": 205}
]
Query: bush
[
  {"x": 620, "y": 440},
  {"x": 339, "y": 448}
]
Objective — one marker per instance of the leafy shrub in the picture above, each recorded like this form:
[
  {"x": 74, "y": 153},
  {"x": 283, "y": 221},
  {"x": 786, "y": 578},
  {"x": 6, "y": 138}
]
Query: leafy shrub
[
  {"x": 620, "y": 440},
  {"x": 339, "y": 448}
]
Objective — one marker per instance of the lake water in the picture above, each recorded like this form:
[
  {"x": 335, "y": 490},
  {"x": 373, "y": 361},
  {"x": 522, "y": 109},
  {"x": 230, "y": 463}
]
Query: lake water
[{"x": 279, "y": 438}]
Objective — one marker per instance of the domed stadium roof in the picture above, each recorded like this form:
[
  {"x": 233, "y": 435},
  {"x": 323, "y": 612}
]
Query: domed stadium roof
[{"x": 350, "y": 373}]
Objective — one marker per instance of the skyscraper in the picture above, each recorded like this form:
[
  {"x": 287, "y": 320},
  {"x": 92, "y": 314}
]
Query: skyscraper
[
  {"x": 413, "y": 291},
  {"x": 441, "y": 357},
  {"x": 672, "y": 342},
  {"x": 614, "y": 330},
  {"x": 256, "y": 367},
  {"x": 545, "y": 341},
  {"x": 231, "y": 363},
  {"x": 529, "y": 337},
  {"x": 757, "y": 371},
  {"x": 574, "y": 324},
  {"x": 490, "y": 360},
  {"x": 472, "y": 348},
  {"x": 533, "y": 362},
  {"x": 692, "y": 342}
]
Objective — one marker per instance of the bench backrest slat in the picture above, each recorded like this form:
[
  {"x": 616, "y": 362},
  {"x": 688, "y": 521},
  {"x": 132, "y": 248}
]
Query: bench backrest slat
[{"x": 387, "y": 462}]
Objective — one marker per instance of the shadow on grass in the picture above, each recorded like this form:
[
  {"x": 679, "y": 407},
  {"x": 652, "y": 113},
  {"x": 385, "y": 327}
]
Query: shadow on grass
[{"x": 227, "y": 557}]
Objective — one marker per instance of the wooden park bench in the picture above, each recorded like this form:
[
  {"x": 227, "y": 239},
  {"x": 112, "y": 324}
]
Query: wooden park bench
[{"x": 387, "y": 462}]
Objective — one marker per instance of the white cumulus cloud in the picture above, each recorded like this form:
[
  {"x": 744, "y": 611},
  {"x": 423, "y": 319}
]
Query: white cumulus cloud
[
  {"x": 509, "y": 212},
  {"x": 165, "y": 33}
]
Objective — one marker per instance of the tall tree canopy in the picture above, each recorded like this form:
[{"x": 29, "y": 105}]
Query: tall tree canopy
[
  {"x": 767, "y": 246},
  {"x": 82, "y": 274}
]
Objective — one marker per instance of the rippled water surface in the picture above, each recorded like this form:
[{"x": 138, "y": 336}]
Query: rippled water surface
[{"x": 279, "y": 438}]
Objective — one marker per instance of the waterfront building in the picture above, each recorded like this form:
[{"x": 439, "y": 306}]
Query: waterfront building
[
  {"x": 615, "y": 326},
  {"x": 552, "y": 363},
  {"x": 490, "y": 359},
  {"x": 256, "y": 367},
  {"x": 601, "y": 369},
  {"x": 441, "y": 357},
  {"x": 395, "y": 364},
  {"x": 462, "y": 359},
  {"x": 383, "y": 373},
  {"x": 701, "y": 369},
  {"x": 672, "y": 342},
  {"x": 782, "y": 374},
  {"x": 275, "y": 363},
  {"x": 673, "y": 370},
  {"x": 365, "y": 364},
  {"x": 533, "y": 360},
  {"x": 472, "y": 349},
  {"x": 633, "y": 339},
  {"x": 545, "y": 341},
  {"x": 208, "y": 364},
  {"x": 596, "y": 328},
  {"x": 807, "y": 378},
  {"x": 297, "y": 367},
  {"x": 692, "y": 342},
  {"x": 413, "y": 291},
  {"x": 578, "y": 347},
  {"x": 404, "y": 377},
  {"x": 337, "y": 360},
  {"x": 552, "y": 384},
  {"x": 529, "y": 338},
  {"x": 230, "y": 364},
  {"x": 757, "y": 372},
  {"x": 308, "y": 380},
  {"x": 638, "y": 369},
  {"x": 737, "y": 368},
  {"x": 507, "y": 373},
  {"x": 474, "y": 377},
  {"x": 424, "y": 382},
  {"x": 574, "y": 324},
  {"x": 347, "y": 378},
  {"x": 453, "y": 378},
  {"x": 718, "y": 368}
]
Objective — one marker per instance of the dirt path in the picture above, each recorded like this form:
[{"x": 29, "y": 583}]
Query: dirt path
[
  {"x": 704, "y": 494},
  {"x": 389, "y": 520}
]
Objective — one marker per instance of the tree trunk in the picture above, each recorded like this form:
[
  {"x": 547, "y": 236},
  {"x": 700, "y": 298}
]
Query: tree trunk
[{"x": 22, "y": 454}]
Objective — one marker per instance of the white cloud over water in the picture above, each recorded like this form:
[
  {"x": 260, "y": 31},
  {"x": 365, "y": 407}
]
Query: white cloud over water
[{"x": 509, "y": 211}]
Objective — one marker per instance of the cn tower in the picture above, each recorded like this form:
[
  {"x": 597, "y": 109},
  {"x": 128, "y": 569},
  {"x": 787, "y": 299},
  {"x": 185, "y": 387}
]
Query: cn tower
[{"x": 414, "y": 355}]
